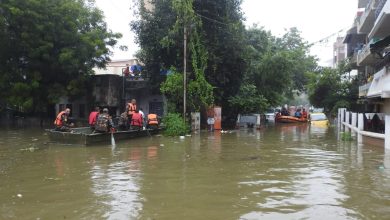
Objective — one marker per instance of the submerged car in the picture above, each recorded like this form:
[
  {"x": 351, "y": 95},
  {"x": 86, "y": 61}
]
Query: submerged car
[
  {"x": 318, "y": 119},
  {"x": 270, "y": 115}
]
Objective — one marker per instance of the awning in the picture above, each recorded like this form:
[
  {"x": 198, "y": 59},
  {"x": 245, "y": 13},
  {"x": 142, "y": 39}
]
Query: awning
[
  {"x": 379, "y": 45},
  {"x": 380, "y": 86}
]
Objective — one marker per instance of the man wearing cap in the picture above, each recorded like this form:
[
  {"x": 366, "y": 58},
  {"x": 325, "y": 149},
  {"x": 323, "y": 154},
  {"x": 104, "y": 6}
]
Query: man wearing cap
[{"x": 104, "y": 122}]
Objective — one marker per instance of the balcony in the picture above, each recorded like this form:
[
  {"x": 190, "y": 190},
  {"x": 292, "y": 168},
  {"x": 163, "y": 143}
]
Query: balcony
[
  {"x": 381, "y": 27},
  {"x": 365, "y": 57},
  {"x": 380, "y": 86},
  {"x": 366, "y": 21},
  {"x": 363, "y": 90},
  {"x": 135, "y": 82}
]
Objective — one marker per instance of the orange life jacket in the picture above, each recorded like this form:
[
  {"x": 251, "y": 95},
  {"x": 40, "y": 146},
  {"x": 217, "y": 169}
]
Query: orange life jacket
[
  {"x": 136, "y": 120},
  {"x": 58, "y": 122},
  {"x": 93, "y": 117},
  {"x": 152, "y": 119},
  {"x": 131, "y": 108}
]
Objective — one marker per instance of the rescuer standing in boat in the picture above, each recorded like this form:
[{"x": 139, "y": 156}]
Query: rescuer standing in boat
[{"x": 131, "y": 108}]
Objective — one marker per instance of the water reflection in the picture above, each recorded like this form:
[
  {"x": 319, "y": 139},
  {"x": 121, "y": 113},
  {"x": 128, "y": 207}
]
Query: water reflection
[
  {"x": 117, "y": 189},
  {"x": 280, "y": 172}
]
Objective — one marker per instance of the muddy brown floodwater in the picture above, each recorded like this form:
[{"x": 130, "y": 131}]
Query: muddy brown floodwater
[{"x": 279, "y": 172}]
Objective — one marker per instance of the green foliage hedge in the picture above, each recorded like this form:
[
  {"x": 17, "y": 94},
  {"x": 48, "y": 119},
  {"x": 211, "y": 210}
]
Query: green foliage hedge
[{"x": 174, "y": 125}]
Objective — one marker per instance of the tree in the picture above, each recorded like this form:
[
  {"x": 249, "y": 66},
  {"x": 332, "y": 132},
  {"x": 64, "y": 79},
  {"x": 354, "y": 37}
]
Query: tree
[
  {"x": 48, "y": 49},
  {"x": 333, "y": 88},
  {"x": 221, "y": 36},
  {"x": 277, "y": 67},
  {"x": 200, "y": 92},
  {"x": 248, "y": 100}
]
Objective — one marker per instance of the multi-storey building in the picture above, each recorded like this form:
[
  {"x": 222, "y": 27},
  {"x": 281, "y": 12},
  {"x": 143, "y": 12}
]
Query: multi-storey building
[
  {"x": 338, "y": 51},
  {"x": 368, "y": 47}
]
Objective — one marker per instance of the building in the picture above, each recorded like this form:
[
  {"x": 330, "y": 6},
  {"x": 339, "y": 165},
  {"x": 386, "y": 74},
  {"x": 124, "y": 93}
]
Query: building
[
  {"x": 339, "y": 50},
  {"x": 367, "y": 48},
  {"x": 113, "y": 87}
]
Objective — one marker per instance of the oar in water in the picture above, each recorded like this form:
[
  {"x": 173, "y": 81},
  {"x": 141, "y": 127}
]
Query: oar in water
[
  {"x": 147, "y": 132},
  {"x": 112, "y": 138}
]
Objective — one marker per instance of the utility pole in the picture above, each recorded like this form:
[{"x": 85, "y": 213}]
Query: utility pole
[{"x": 185, "y": 73}]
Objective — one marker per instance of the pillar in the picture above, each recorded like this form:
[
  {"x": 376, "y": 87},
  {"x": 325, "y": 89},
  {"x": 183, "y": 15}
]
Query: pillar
[
  {"x": 360, "y": 127},
  {"x": 387, "y": 132}
]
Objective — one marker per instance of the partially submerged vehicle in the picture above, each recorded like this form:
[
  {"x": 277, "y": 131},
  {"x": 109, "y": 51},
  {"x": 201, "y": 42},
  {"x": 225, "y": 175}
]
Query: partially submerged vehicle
[
  {"x": 270, "y": 115},
  {"x": 248, "y": 121},
  {"x": 318, "y": 119}
]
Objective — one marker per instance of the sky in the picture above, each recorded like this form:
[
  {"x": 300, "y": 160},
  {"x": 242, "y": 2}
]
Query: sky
[{"x": 316, "y": 19}]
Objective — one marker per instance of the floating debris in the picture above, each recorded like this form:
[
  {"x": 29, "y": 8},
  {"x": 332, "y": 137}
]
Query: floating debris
[
  {"x": 19, "y": 195},
  {"x": 31, "y": 149},
  {"x": 162, "y": 145}
]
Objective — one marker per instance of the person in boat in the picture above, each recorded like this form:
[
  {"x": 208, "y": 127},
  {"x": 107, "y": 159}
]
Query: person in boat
[
  {"x": 298, "y": 113},
  {"x": 284, "y": 112},
  {"x": 136, "y": 121},
  {"x": 104, "y": 122},
  {"x": 152, "y": 121},
  {"x": 93, "y": 117},
  {"x": 123, "y": 122},
  {"x": 143, "y": 117},
  {"x": 62, "y": 121},
  {"x": 131, "y": 107},
  {"x": 304, "y": 113}
]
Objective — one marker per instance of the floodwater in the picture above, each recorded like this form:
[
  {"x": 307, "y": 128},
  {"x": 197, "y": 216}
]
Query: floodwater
[{"x": 279, "y": 172}]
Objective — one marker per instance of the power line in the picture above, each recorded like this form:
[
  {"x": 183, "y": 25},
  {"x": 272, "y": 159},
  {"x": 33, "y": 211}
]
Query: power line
[
  {"x": 210, "y": 19},
  {"x": 326, "y": 39}
]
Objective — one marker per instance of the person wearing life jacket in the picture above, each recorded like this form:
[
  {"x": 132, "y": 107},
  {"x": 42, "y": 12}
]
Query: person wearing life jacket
[
  {"x": 104, "y": 122},
  {"x": 152, "y": 121},
  {"x": 93, "y": 117},
  {"x": 62, "y": 122},
  {"x": 136, "y": 121},
  {"x": 304, "y": 113},
  {"x": 131, "y": 107}
]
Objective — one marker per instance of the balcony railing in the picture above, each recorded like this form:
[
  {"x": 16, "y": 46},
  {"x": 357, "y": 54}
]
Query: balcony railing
[
  {"x": 367, "y": 19},
  {"x": 363, "y": 90},
  {"x": 364, "y": 55},
  {"x": 378, "y": 10}
]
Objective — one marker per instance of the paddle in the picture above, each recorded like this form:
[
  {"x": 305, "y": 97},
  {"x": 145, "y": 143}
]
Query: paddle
[
  {"x": 147, "y": 131},
  {"x": 112, "y": 138}
]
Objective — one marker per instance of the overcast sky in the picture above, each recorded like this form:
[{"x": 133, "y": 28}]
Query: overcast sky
[{"x": 316, "y": 19}]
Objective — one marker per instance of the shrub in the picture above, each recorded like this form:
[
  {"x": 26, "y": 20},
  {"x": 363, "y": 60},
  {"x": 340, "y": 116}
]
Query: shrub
[
  {"x": 174, "y": 125},
  {"x": 346, "y": 136}
]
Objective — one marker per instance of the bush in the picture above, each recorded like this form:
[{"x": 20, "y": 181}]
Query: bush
[
  {"x": 346, "y": 136},
  {"x": 174, "y": 125}
]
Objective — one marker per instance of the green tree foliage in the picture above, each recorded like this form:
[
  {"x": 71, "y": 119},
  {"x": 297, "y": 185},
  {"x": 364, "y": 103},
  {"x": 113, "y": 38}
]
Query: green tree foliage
[
  {"x": 225, "y": 42},
  {"x": 248, "y": 100},
  {"x": 172, "y": 87},
  {"x": 333, "y": 89},
  {"x": 48, "y": 48},
  {"x": 217, "y": 33},
  {"x": 277, "y": 67},
  {"x": 174, "y": 125}
]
